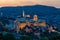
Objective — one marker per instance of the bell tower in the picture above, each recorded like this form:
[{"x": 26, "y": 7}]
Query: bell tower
[
  {"x": 23, "y": 14},
  {"x": 35, "y": 17}
]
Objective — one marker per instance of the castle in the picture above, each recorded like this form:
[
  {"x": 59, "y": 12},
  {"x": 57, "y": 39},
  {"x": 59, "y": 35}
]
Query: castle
[{"x": 22, "y": 22}]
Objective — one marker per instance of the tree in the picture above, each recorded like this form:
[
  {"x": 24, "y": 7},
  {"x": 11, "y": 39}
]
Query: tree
[
  {"x": 8, "y": 37},
  {"x": 1, "y": 36},
  {"x": 26, "y": 38},
  {"x": 54, "y": 37}
]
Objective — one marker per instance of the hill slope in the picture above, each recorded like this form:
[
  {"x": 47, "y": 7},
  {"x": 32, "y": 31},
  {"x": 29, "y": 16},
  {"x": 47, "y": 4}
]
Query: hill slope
[{"x": 48, "y": 13}]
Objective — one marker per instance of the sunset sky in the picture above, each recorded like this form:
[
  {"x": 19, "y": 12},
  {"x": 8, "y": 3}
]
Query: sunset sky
[{"x": 55, "y": 3}]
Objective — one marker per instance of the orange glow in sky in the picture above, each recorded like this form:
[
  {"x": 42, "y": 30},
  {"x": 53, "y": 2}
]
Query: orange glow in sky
[{"x": 55, "y": 3}]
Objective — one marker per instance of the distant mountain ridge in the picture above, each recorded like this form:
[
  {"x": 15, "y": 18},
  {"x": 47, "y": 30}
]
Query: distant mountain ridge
[
  {"x": 43, "y": 12},
  {"x": 35, "y": 9}
]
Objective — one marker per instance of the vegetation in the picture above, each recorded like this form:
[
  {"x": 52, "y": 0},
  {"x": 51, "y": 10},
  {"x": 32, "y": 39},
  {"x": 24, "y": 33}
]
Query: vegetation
[
  {"x": 1, "y": 36},
  {"x": 11, "y": 37},
  {"x": 6, "y": 37},
  {"x": 55, "y": 37},
  {"x": 25, "y": 38}
]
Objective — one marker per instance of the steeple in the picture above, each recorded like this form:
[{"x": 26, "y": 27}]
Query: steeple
[{"x": 23, "y": 14}]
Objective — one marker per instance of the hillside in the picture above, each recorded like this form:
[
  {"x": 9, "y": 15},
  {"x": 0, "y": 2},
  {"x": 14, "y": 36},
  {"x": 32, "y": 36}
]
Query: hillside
[{"x": 49, "y": 13}]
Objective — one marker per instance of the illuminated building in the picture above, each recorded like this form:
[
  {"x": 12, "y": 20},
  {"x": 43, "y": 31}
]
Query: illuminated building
[
  {"x": 42, "y": 23},
  {"x": 35, "y": 21},
  {"x": 17, "y": 29},
  {"x": 28, "y": 16},
  {"x": 35, "y": 18},
  {"x": 35, "y": 24}
]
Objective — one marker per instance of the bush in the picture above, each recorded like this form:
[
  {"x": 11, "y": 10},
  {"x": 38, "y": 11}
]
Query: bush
[
  {"x": 43, "y": 38},
  {"x": 8, "y": 37},
  {"x": 55, "y": 37},
  {"x": 26, "y": 38},
  {"x": 1, "y": 36}
]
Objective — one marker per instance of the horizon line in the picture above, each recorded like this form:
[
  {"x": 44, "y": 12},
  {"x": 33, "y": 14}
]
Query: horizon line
[{"x": 27, "y": 5}]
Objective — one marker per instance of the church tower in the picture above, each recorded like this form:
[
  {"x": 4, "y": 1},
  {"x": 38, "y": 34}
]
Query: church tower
[
  {"x": 23, "y": 14},
  {"x": 35, "y": 17}
]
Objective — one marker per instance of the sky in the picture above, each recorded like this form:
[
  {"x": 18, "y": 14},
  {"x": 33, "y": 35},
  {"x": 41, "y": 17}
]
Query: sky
[{"x": 55, "y": 3}]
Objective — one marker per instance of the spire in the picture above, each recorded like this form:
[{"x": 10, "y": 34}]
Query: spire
[{"x": 23, "y": 14}]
